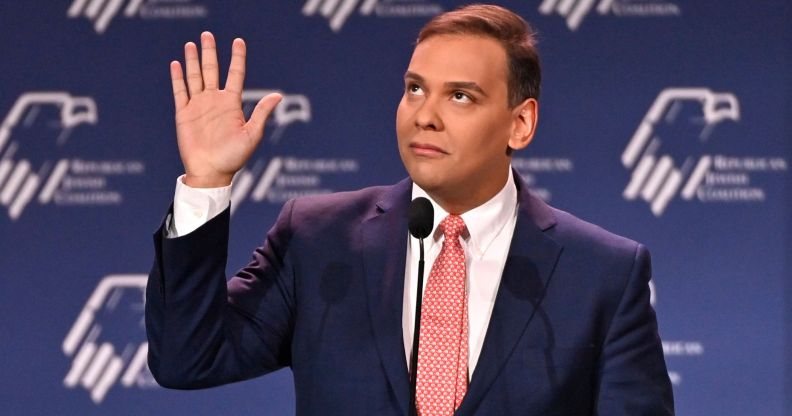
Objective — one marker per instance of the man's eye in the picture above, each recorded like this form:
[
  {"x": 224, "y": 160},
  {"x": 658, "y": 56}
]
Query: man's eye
[
  {"x": 462, "y": 97},
  {"x": 415, "y": 89}
]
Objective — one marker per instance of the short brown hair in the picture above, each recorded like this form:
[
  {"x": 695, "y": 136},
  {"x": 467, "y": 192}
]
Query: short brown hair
[{"x": 512, "y": 31}]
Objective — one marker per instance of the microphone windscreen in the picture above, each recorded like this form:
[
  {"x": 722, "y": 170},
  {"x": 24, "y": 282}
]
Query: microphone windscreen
[{"x": 421, "y": 220}]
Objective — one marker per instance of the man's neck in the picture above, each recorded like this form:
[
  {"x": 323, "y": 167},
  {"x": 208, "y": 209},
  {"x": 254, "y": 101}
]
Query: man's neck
[{"x": 461, "y": 201}]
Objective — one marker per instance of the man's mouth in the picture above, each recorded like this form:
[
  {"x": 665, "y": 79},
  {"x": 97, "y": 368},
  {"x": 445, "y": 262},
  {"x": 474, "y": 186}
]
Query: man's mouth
[{"x": 425, "y": 149}]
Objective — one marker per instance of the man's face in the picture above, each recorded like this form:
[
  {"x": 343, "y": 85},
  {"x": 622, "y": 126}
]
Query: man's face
[{"x": 453, "y": 122}]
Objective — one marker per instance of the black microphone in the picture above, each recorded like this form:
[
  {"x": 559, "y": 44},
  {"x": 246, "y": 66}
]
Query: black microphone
[
  {"x": 421, "y": 222},
  {"x": 421, "y": 217}
]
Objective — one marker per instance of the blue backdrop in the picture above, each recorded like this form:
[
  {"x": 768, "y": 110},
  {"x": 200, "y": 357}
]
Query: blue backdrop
[{"x": 665, "y": 121}]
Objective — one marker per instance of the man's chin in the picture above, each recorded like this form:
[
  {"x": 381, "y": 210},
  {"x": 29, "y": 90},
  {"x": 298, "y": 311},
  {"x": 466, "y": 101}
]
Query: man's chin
[
  {"x": 438, "y": 187},
  {"x": 429, "y": 183}
]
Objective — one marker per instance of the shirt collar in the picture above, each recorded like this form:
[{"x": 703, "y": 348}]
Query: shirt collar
[{"x": 484, "y": 222}]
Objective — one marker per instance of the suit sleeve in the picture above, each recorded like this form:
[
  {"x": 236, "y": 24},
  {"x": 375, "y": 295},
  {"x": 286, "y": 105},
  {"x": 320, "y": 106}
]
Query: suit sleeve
[
  {"x": 204, "y": 331},
  {"x": 633, "y": 376}
]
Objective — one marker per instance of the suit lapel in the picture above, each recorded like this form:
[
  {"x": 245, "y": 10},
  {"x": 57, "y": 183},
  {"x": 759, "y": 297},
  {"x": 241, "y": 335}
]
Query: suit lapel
[
  {"x": 529, "y": 265},
  {"x": 384, "y": 253}
]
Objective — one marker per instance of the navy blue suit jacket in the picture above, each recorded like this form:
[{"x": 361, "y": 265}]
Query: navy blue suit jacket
[{"x": 571, "y": 332}]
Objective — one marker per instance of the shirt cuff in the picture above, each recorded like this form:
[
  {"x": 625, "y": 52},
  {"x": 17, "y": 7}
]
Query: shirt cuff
[{"x": 194, "y": 207}]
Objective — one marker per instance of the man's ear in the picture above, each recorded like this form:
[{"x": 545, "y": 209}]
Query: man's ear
[{"x": 524, "y": 118}]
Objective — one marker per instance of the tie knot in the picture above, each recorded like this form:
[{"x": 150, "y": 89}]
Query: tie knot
[{"x": 452, "y": 227}]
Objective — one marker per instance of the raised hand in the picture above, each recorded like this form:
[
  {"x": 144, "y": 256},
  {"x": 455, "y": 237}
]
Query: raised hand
[{"x": 214, "y": 139}]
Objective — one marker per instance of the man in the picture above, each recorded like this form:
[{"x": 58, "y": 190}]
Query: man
[{"x": 527, "y": 310}]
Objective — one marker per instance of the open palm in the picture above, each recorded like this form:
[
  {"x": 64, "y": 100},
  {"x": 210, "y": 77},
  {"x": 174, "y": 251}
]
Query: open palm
[{"x": 215, "y": 140}]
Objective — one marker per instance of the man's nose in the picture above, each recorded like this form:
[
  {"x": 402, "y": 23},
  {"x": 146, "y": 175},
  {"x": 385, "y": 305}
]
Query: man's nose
[{"x": 427, "y": 116}]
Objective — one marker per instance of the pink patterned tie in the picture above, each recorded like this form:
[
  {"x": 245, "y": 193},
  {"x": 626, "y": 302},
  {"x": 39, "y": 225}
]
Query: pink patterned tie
[{"x": 443, "y": 344}]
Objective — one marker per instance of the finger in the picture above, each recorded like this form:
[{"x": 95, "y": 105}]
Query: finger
[
  {"x": 194, "y": 78},
  {"x": 236, "y": 71},
  {"x": 263, "y": 109},
  {"x": 209, "y": 61},
  {"x": 180, "y": 97}
]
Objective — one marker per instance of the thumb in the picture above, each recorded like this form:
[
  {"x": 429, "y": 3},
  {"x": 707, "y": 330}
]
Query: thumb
[{"x": 263, "y": 109}]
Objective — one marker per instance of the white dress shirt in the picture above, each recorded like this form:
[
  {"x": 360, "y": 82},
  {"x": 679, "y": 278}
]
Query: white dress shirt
[{"x": 490, "y": 228}]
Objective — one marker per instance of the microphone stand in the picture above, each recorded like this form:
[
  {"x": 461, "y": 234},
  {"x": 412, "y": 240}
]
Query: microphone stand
[{"x": 416, "y": 332}]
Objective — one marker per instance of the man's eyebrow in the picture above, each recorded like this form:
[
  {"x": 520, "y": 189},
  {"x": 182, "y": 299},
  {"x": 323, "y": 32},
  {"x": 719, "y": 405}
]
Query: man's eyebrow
[
  {"x": 413, "y": 75},
  {"x": 467, "y": 85}
]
